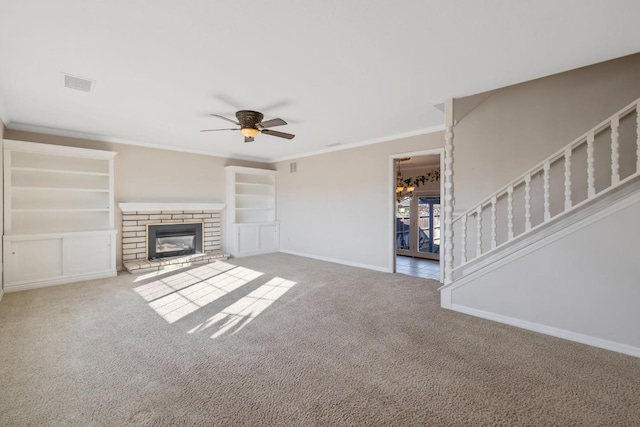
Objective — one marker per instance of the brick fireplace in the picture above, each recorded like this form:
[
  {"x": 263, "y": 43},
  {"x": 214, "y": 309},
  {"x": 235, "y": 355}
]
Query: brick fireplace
[{"x": 137, "y": 216}]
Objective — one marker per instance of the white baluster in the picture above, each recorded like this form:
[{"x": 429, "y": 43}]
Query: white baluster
[
  {"x": 510, "y": 212},
  {"x": 567, "y": 178},
  {"x": 547, "y": 201},
  {"x": 448, "y": 197},
  {"x": 591, "y": 169},
  {"x": 479, "y": 231},
  {"x": 615, "y": 151},
  {"x": 527, "y": 202},
  {"x": 637, "y": 139},
  {"x": 463, "y": 243},
  {"x": 494, "y": 226}
]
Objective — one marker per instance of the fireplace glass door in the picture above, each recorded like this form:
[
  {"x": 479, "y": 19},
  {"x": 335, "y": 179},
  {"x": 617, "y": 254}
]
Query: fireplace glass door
[
  {"x": 175, "y": 244},
  {"x": 169, "y": 240}
]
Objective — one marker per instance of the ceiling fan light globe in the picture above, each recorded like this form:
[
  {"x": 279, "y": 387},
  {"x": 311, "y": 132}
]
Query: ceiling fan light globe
[{"x": 249, "y": 132}]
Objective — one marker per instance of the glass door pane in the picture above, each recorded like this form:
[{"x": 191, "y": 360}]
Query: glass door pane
[
  {"x": 428, "y": 233},
  {"x": 403, "y": 219},
  {"x": 436, "y": 228}
]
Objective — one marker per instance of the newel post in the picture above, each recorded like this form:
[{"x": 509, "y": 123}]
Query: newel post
[{"x": 448, "y": 193}]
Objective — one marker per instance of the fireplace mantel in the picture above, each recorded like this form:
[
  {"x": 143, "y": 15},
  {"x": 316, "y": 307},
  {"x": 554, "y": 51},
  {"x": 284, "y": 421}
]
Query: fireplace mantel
[{"x": 162, "y": 206}]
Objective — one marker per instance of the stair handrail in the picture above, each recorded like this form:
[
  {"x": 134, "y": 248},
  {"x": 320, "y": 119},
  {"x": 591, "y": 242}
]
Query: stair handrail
[{"x": 588, "y": 138}]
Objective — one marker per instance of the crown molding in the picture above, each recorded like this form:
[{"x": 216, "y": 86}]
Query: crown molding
[
  {"x": 425, "y": 131},
  {"x": 102, "y": 138}
]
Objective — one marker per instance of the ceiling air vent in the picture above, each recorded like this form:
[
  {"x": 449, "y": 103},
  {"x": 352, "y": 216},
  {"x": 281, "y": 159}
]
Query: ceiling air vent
[{"x": 78, "y": 83}]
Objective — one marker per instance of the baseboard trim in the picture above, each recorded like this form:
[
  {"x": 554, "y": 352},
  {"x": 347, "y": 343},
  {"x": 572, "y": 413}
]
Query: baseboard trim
[
  {"x": 549, "y": 330},
  {"x": 252, "y": 253},
  {"x": 56, "y": 282},
  {"x": 338, "y": 261}
]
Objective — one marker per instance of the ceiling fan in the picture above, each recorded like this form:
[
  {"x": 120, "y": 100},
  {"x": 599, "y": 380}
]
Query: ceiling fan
[{"x": 251, "y": 124}]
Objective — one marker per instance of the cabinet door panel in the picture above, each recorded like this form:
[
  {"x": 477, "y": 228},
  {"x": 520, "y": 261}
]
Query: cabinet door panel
[
  {"x": 268, "y": 237},
  {"x": 84, "y": 255},
  {"x": 248, "y": 238},
  {"x": 32, "y": 260}
]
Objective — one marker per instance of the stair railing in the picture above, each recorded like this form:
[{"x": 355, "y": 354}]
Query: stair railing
[{"x": 476, "y": 233}]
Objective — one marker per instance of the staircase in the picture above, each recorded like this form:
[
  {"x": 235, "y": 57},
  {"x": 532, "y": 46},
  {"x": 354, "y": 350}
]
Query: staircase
[{"x": 592, "y": 178}]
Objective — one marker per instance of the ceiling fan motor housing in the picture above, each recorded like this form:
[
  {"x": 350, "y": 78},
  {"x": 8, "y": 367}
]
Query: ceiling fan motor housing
[{"x": 249, "y": 119}]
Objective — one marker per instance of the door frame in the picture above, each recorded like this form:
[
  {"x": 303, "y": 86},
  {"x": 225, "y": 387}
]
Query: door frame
[{"x": 391, "y": 243}]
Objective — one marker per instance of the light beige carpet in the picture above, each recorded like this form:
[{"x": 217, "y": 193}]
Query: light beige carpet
[{"x": 283, "y": 340}]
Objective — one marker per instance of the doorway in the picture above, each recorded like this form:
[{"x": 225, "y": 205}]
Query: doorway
[{"x": 417, "y": 214}]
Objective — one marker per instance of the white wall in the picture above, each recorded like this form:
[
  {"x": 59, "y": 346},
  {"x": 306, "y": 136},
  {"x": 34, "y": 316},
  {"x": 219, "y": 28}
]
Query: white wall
[
  {"x": 337, "y": 206},
  {"x": 583, "y": 286}
]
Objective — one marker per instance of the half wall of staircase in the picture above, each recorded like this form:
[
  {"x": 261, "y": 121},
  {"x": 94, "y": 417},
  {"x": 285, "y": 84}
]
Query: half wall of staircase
[
  {"x": 581, "y": 284},
  {"x": 553, "y": 250}
]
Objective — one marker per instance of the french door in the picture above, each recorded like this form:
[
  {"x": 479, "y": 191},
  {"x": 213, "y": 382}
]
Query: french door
[{"x": 418, "y": 227}]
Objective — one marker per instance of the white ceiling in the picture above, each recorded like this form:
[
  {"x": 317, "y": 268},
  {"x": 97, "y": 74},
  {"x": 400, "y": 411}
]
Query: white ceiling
[{"x": 348, "y": 71}]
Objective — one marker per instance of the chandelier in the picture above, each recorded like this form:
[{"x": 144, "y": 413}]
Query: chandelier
[{"x": 404, "y": 190}]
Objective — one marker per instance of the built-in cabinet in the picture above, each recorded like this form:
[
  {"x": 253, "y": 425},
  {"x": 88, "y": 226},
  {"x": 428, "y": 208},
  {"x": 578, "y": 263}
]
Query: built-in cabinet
[
  {"x": 58, "y": 215},
  {"x": 251, "y": 211}
]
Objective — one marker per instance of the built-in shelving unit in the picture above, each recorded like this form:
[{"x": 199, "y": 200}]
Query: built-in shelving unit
[
  {"x": 251, "y": 204},
  {"x": 58, "y": 201}
]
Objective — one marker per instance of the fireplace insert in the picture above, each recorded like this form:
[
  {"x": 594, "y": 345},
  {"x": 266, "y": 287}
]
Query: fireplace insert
[{"x": 169, "y": 240}]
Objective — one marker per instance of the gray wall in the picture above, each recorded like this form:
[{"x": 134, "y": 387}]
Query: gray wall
[
  {"x": 499, "y": 135},
  {"x": 2, "y": 132},
  {"x": 153, "y": 175},
  {"x": 585, "y": 283},
  {"x": 337, "y": 206}
]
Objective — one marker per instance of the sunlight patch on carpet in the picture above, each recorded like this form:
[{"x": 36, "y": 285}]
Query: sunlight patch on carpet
[
  {"x": 239, "y": 314},
  {"x": 181, "y": 294}
]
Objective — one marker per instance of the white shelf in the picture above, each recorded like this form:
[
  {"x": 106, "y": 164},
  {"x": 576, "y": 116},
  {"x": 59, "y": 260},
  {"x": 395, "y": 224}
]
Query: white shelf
[
  {"x": 58, "y": 214},
  {"x": 61, "y": 171},
  {"x": 60, "y": 210},
  {"x": 91, "y": 190},
  {"x": 251, "y": 201},
  {"x": 255, "y": 184}
]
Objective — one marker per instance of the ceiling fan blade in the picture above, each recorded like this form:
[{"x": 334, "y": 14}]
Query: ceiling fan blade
[
  {"x": 279, "y": 134},
  {"x": 248, "y": 139},
  {"x": 225, "y": 118},
  {"x": 214, "y": 130},
  {"x": 271, "y": 123}
]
